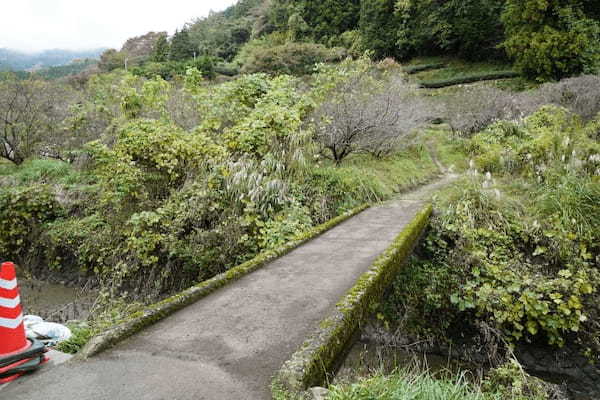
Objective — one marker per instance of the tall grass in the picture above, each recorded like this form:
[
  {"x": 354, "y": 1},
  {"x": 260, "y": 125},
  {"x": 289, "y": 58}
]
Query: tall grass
[
  {"x": 39, "y": 171},
  {"x": 409, "y": 385},
  {"x": 573, "y": 200}
]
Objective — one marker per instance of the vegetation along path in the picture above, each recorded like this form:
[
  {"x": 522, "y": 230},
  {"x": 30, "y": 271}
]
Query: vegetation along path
[{"x": 231, "y": 343}]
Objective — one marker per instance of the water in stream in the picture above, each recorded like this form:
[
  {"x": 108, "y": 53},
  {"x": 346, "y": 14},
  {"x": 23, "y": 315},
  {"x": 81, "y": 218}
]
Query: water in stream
[{"x": 54, "y": 302}]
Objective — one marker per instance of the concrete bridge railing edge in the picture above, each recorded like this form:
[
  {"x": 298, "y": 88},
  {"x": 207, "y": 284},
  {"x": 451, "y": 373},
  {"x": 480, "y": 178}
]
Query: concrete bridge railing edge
[{"x": 311, "y": 363}]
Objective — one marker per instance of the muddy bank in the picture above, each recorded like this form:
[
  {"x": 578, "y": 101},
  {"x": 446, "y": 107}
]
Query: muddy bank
[
  {"x": 366, "y": 357},
  {"x": 377, "y": 349},
  {"x": 55, "y": 302}
]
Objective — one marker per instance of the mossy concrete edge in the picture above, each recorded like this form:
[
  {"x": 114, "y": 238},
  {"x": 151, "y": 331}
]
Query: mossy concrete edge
[
  {"x": 158, "y": 311},
  {"x": 317, "y": 356}
]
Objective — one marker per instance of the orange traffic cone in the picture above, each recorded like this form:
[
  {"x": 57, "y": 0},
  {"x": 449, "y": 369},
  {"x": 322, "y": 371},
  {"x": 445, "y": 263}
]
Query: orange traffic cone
[
  {"x": 12, "y": 330},
  {"x": 17, "y": 354}
]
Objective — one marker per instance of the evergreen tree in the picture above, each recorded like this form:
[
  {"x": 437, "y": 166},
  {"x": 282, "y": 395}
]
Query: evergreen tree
[
  {"x": 161, "y": 49},
  {"x": 469, "y": 28},
  {"x": 378, "y": 25},
  {"x": 181, "y": 46},
  {"x": 330, "y": 18},
  {"x": 325, "y": 19},
  {"x": 550, "y": 39}
]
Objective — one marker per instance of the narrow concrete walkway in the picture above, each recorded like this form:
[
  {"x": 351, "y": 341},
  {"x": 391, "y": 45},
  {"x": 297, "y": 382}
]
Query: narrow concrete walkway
[{"x": 230, "y": 344}]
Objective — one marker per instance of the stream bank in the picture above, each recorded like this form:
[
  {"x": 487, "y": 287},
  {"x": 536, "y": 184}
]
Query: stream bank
[
  {"x": 56, "y": 302},
  {"x": 376, "y": 349}
]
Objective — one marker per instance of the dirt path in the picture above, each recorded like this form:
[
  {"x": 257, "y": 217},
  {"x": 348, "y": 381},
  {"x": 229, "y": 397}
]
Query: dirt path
[{"x": 230, "y": 344}]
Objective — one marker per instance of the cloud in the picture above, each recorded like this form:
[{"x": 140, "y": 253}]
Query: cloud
[{"x": 32, "y": 25}]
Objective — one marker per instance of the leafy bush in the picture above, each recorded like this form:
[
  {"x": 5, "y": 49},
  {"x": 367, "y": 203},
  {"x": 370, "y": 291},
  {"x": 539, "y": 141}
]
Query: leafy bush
[
  {"x": 523, "y": 262},
  {"x": 169, "y": 70},
  {"x": 472, "y": 29},
  {"x": 149, "y": 158},
  {"x": 550, "y": 40},
  {"x": 23, "y": 210},
  {"x": 510, "y": 381},
  {"x": 289, "y": 58}
]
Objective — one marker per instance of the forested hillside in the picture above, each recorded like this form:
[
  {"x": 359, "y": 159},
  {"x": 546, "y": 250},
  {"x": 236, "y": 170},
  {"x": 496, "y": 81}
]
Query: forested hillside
[
  {"x": 17, "y": 61},
  {"x": 546, "y": 40}
]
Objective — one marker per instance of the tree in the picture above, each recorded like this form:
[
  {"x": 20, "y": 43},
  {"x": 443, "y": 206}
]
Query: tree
[
  {"x": 111, "y": 59},
  {"x": 330, "y": 18},
  {"x": 550, "y": 40},
  {"x": 366, "y": 115},
  {"x": 161, "y": 50},
  {"x": 289, "y": 58},
  {"x": 470, "y": 28},
  {"x": 325, "y": 20},
  {"x": 181, "y": 46},
  {"x": 297, "y": 27},
  {"x": 141, "y": 48},
  {"x": 377, "y": 26},
  {"x": 30, "y": 115}
]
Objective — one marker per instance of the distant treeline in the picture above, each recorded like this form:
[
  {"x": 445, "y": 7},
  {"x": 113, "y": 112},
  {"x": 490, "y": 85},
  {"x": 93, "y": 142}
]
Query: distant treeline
[
  {"x": 547, "y": 40},
  {"x": 52, "y": 73},
  {"x": 19, "y": 61}
]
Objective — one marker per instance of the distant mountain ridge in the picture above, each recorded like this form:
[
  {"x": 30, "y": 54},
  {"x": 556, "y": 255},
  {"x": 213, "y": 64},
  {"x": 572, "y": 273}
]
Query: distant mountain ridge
[{"x": 19, "y": 61}]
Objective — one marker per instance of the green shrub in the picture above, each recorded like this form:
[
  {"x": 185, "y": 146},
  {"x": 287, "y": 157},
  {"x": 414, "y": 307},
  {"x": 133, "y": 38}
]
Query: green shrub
[
  {"x": 288, "y": 58},
  {"x": 23, "y": 212},
  {"x": 472, "y": 29},
  {"x": 510, "y": 381},
  {"x": 169, "y": 70},
  {"x": 551, "y": 40},
  {"x": 486, "y": 260},
  {"x": 149, "y": 159},
  {"x": 289, "y": 223},
  {"x": 520, "y": 258}
]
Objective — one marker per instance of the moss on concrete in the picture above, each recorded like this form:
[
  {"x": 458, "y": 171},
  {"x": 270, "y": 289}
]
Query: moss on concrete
[
  {"x": 318, "y": 355},
  {"x": 156, "y": 312}
]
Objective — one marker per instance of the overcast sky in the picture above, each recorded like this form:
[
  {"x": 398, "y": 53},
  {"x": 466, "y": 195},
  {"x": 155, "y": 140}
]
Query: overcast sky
[{"x": 32, "y": 25}]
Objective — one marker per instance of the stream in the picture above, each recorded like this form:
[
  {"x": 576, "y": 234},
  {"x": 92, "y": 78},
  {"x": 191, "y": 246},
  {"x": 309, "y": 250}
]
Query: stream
[
  {"x": 55, "y": 302},
  {"x": 565, "y": 368}
]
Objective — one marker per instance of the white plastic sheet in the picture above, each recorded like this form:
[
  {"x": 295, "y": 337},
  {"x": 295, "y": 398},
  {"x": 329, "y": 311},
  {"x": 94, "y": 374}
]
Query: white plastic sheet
[{"x": 47, "y": 332}]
